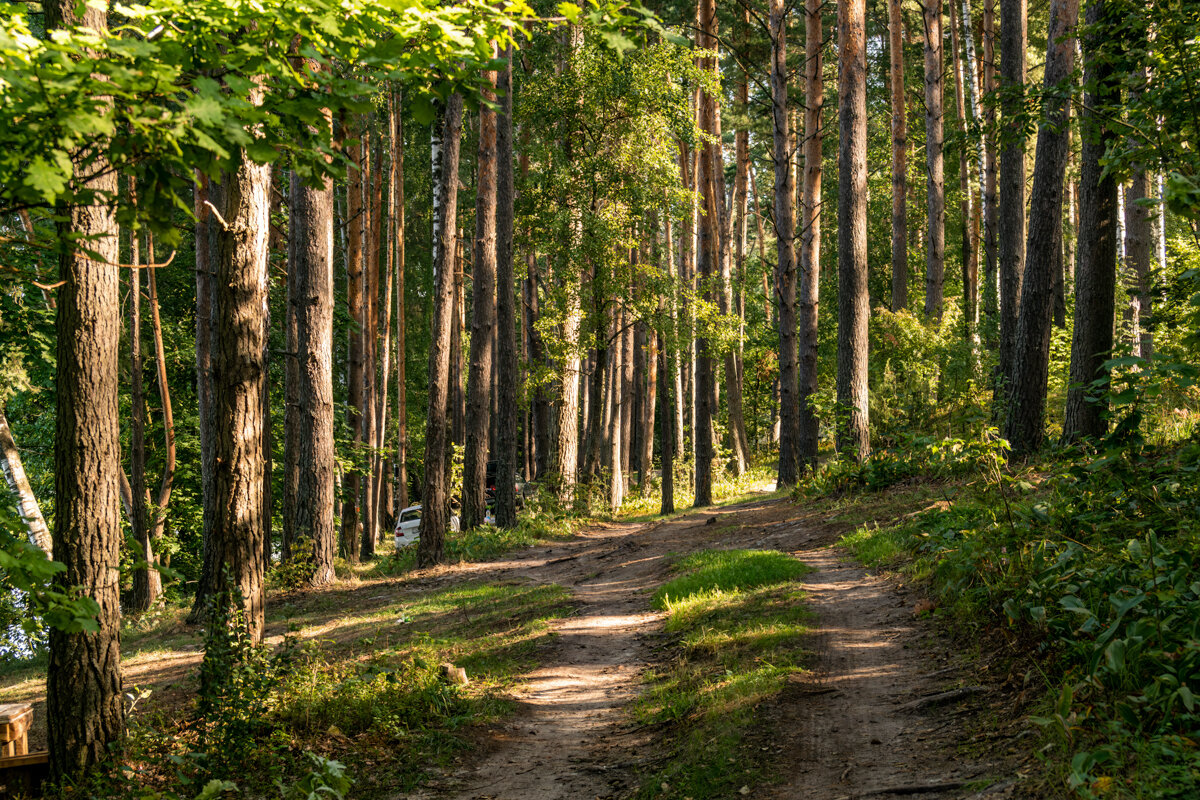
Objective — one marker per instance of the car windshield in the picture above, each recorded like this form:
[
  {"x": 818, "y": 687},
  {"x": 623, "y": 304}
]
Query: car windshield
[{"x": 409, "y": 516}]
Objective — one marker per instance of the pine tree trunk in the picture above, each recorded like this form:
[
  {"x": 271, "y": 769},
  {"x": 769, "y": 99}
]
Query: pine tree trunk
[
  {"x": 1095, "y": 275},
  {"x": 435, "y": 510},
  {"x": 159, "y": 518},
  {"x": 1138, "y": 259},
  {"x": 146, "y": 586},
  {"x": 483, "y": 317},
  {"x": 991, "y": 288},
  {"x": 853, "y": 299},
  {"x": 356, "y": 303},
  {"x": 935, "y": 252},
  {"x": 785, "y": 263},
  {"x": 970, "y": 258},
  {"x": 1025, "y": 420},
  {"x": 207, "y": 197},
  {"x": 83, "y": 687},
  {"x": 899, "y": 160},
  {"x": 373, "y": 203},
  {"x": 310, "y": 300},
  {"x": 506, "y": 320},
  {"x": 1011, "y": 217},
  {"x": 810, "y": 237},
  {"x": 234, "y": 576},
  {"x": 401, "y": 324}
]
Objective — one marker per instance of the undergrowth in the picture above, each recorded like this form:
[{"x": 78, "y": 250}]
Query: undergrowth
[
  {"x": 1088, "y": 563},
  {"x": 372, "y": 706},
  {"x": 729, "y": 612}
]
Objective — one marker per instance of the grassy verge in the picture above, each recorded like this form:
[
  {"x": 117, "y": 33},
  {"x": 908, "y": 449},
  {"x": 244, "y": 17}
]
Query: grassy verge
[
  {"x": 738, "y": 623},
  {"x": 1086, "y": 567},
  {"x": 355, "y": 694},
  {"x": 756, "y": 483}
]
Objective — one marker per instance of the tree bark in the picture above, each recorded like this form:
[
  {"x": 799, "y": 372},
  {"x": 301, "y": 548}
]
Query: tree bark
[
  {"x": 991, "y": 288},
  {"x": 785, "y": 264},
  {"x": 435, "y": 511},
  {"x": 1138, "y": 261},
  {"x": 483, "y": 316},
  {"x": 853, "y": 297},
  {"x": 146, "y": 583},
  {"x": 1011, "y": 222},
  {"x": 233, "y": 576},
  {"x": 356, "y": 303},
  {"x": 84, "y": 706},
  {"x": 401, "y": 325},
  {"x": 506, "y": 321},
  {"x": 899, "y": 160},
  {"x": 310, "y": 297},
  {"x": 935, "y": 252},
  {"x": 1095, "y": 275},
  {"x": 970, "y": 257},
  {"x": 810, "y": 237},
  {"x": 1024, "y": 426}
]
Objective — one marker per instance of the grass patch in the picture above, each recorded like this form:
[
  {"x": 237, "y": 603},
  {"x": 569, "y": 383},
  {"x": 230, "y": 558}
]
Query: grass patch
[{"x": 739, "y": 620}]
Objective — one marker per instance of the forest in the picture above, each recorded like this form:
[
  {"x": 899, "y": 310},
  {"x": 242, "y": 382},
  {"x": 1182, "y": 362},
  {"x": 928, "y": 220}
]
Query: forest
[{"x": 517, "y": 399}]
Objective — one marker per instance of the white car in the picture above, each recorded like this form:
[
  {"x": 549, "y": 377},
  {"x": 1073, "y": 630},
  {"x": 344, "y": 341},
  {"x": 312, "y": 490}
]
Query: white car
[{"x": 409, "y": 524}]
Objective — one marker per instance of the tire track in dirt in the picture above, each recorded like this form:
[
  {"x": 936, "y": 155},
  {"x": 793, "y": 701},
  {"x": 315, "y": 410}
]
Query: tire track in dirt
[{"x": 840, "y": 731}]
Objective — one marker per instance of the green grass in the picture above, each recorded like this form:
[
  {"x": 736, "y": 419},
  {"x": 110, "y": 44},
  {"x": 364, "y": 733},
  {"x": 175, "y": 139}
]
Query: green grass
[
  {"x": 757, "y": 483},
  {"x": 739, "y": 621}
]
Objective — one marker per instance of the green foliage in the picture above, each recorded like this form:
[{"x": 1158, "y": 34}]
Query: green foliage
[
  {"x": 740, "y": 620},
  {"x": 32, "y": 600}
]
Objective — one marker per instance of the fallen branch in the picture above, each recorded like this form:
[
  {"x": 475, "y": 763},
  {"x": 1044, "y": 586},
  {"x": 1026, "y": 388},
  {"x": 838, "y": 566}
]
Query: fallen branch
[{"x": 943, "y": 698}]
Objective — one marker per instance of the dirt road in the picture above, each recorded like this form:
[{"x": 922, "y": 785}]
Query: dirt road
[{"x": 872, "y": 717}]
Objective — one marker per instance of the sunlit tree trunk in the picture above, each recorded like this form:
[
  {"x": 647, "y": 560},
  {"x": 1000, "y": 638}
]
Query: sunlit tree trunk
[
  {"x": 1011, "y": 217},
  {"x": 810, "y": 237},
  {"x": 18, "y": 484},
  {"x": 785, "y": 264},
  {"x": 483, "y": 316},
  {"x": 435, "y": 511},
  {"x": 935, "y": 253},
  {"x": 1025, "y": 421},
  {"x": 356, "y": 302},
  {"x": 899, "y": 160},
  {"x": 991, "y": 290},
  {"x": 853, "y": 437},
  {"x": 84, "y": 706},
  {"x": 310, "y": 300},
  {"x": 970, "y": 258}
]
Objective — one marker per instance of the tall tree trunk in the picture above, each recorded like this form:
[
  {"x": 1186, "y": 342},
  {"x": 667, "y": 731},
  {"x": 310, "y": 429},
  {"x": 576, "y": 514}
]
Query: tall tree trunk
[
  {"x": 1095, "y": 275},
  {"x": 483, "y": 316},
  {"x": 435, "y": 510},
  {"x": 785, "y": 264},
  {"x": 709, "y": 256},
  {"x": 991, "y": 288},
  {"x": 1025, "y": 420},
  {"x": 899, "y": 160},
  {"x": 372, "y": 202},
  {"x": 233, "y": 577},
  {"x": 1138, "y": 260},
  {"x": 207, "y": 196},
  {"x": 853, "y": 298},
  {"x": 146, "y": 584},
  {"x": 381, "y": 474},
  {"x": 1011, "y": 222},
  {"x": 935, "y": 252},
  {"x": 970, "y": 258},
  {"x": 401, "y": 324},
  {"x": 666, "y": 439},
  {"x": 158, "y": 520},
  {"x": 762, "y": 244},
  {"x": 310, "y": 297},
  {"x": 810, "y": 236},
  {"x": 356, "y": 302},
  {"x": 537, "y": 358},
  {"x": 615, "y": 399},
  {"x": 83, "y": 685},
  {"x": 506, "y": 320},
  {"x": 18, "y": 484}
]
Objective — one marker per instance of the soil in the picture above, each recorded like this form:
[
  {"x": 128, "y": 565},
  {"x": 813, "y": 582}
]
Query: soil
[{"x": 870, "y": 719}]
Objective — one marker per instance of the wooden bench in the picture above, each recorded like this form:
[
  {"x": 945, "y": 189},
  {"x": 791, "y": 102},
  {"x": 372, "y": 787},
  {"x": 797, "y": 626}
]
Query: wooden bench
[{"x": 21, "y": 772}]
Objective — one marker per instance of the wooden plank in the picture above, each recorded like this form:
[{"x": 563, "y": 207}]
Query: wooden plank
[{"x": 27, "y": 760}]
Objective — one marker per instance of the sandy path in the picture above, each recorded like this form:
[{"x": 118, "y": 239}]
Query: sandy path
[{"x": 842, "y": 730}]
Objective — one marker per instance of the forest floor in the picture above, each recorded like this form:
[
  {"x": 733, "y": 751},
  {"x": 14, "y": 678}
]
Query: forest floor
[{"x": 886, "y": 705}]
